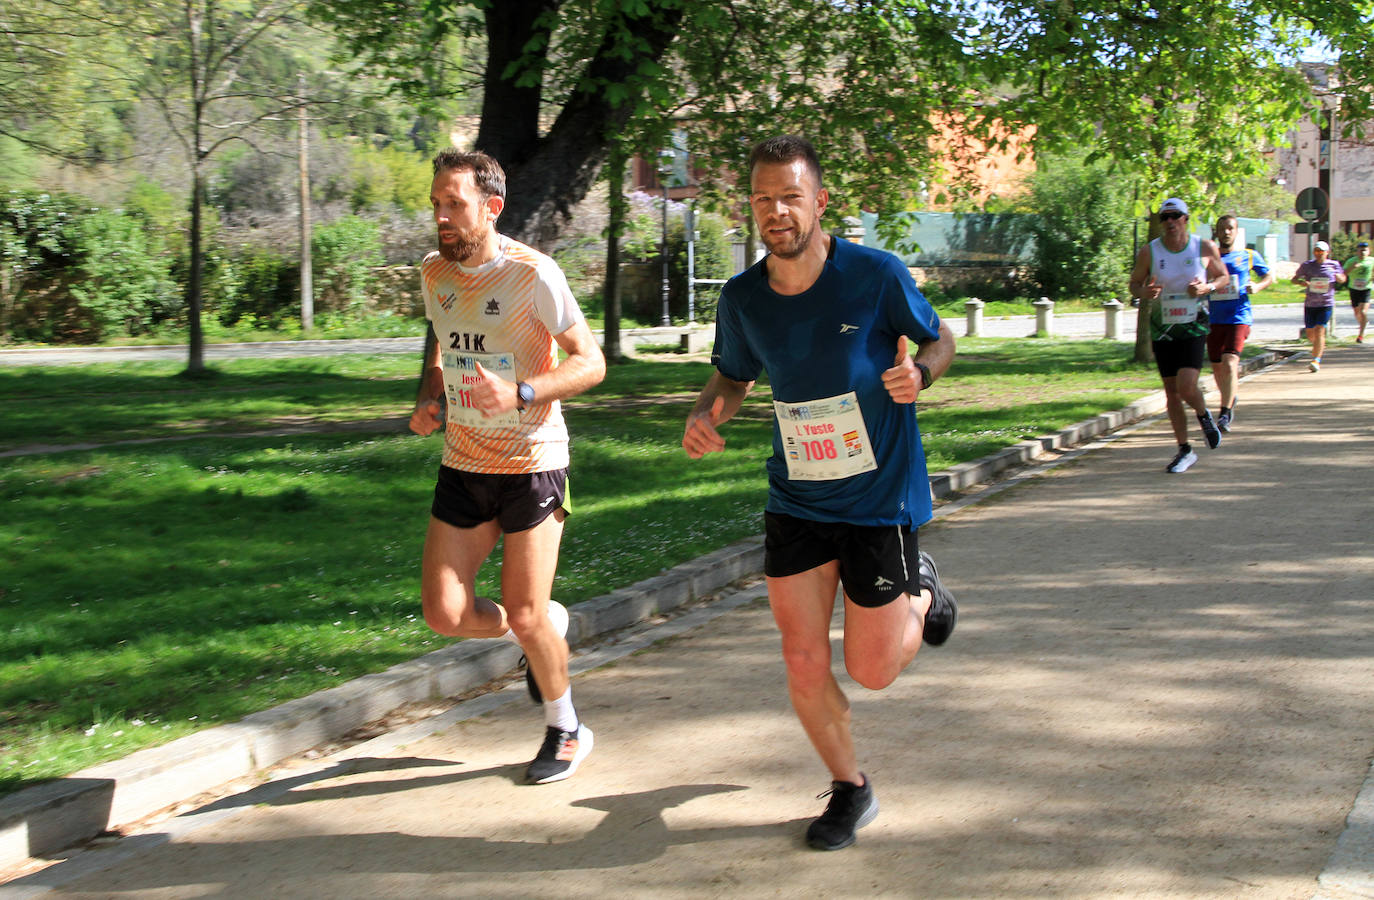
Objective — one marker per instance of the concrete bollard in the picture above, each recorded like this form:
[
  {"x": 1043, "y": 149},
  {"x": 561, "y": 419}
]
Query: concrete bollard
[
  {"x": 1113, "y": 309},
  {"x": 973, "y": 309},
  {"x": 1044, "y": 317}
]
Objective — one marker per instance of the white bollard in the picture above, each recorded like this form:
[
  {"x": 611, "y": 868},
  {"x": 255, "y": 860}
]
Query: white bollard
[
  {"x": 973, "y": 310},
  {"x": 1044, "y": 317},
  {"x": 1113, "y": 309}
]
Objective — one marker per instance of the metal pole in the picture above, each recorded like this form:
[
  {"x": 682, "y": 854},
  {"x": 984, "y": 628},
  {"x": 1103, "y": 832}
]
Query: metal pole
[
  {"x": 666, "y": 319},
  {"x": 689, "y": 230}
]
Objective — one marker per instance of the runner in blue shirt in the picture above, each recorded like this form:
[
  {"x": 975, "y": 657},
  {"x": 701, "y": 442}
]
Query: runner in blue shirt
[
  {"x": 1230, "y": 313},
  {"x": 829, "y": 321}
]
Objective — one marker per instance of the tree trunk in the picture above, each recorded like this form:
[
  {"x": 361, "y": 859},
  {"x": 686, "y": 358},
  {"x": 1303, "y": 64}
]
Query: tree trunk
[
  {"x": 615, "y": 183},
  {"x": 1144, "y": 352},
  {"x": 195, "y": 364},
  {"x": 548, "y": 175}
]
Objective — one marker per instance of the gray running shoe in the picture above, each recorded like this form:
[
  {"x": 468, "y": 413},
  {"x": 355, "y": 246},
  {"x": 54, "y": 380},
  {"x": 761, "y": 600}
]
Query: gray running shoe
[
  {"x": 1182, "y": 462},
  {"x": 1209, "y": 429},
  {"x": 1224, "y": 421}
]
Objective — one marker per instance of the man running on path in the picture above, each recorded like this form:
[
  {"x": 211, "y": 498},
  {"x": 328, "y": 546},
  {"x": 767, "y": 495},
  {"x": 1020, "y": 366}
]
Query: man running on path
[
  {"x": 1319, "y": 275},
  {"x": 501, "y": 311},
  {"x": 1360, "y": 270},
  {"x": 1231, "y": 314},
  {"x": 1173, "y": 273},
  {"x": 829, "y": 321}
]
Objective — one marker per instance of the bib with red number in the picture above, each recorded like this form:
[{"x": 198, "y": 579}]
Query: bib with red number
[
  {"x": 1318, "y": 285},
  {"x": 824, "y": 440},
  {"x": 1176, "y": 309},
  {"x": 460, "y": 375}
]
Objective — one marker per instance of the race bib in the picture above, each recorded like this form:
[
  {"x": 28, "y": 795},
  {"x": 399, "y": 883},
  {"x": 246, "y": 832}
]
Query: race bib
[
  {"x": 1232, "y": 291},
  {"x": 460, "y": 374},
  {"x": 1359, "y": 284},
  {"x": 1318, "y": 285},
  {"x": 824, "y": 440},
  {"x": 1176, "y": 309}
]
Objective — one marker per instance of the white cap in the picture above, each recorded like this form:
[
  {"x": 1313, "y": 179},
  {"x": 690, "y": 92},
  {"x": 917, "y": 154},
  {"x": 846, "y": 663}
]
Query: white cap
[
  {"x": 1173, "y": 204},
  {"x": 1322, "y": 245}
]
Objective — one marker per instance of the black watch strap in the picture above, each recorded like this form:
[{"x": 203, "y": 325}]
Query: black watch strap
[{"x": 926, "y": 380}]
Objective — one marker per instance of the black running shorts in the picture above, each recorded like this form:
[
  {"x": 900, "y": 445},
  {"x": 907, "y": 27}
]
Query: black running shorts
[
  {"x": 1359, "y": 297},
  {"x": 1183, "y": 353},
  {"x": 516, "y": 502},
  {"x": 878, "y": 563}
]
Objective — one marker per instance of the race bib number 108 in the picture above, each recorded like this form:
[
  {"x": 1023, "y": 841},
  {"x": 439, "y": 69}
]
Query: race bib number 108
[{"x": 825, "y": 439}]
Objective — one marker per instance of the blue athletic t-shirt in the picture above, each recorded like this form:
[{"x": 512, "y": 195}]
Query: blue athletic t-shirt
[
  {"x": 839, "y": 335},
  {"x": 1237, "y": 312}
]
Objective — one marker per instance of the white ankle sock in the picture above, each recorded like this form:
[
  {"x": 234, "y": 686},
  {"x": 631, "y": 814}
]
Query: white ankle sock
[{"x": 560, "y": 713}]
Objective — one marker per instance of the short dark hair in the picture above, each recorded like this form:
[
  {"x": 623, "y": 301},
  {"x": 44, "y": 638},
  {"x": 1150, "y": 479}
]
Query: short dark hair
[
  {"x": 1228, "y": 216},
  {"x": 786, "y": 148},
  {"x": 487, "y": 173}
]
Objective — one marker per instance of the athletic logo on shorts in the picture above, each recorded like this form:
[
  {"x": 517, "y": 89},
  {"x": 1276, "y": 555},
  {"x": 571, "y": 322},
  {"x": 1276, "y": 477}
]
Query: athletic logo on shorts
[
  {"x": 882, "y": 583},
  {"x": 544, "y": 504}
]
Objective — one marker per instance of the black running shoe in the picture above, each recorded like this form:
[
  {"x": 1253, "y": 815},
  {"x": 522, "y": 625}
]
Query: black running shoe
[
  {"x": 939, "y": 624},
  {"x": 851, "y": 807},
  {"x": 1209, "y": 429},
  {"x": 560, "y": 755},
  {"x": 1224, "y": 421},
  {"x": 530, "y": 684}
]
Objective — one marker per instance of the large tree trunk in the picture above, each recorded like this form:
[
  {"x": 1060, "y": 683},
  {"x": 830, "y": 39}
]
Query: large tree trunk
[
  {"x": 1144, "y": 351},
  {"x": 547, "y": 175}
]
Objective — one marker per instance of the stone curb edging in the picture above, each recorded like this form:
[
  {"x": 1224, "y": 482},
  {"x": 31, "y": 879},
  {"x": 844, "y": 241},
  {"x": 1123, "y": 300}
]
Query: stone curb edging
[{"x": 42, "y": 820}]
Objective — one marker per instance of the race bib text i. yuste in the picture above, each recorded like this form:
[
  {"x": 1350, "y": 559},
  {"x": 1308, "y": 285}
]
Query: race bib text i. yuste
[{"x": 825, "y": 439}]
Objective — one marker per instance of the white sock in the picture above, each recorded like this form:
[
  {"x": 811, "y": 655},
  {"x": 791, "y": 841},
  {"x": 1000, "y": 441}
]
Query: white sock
[{"x": 560, "y": 713}]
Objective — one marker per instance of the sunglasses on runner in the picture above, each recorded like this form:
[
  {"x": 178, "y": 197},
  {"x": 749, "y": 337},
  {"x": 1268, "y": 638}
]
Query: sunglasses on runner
[{"x": 1170, "y": 216}]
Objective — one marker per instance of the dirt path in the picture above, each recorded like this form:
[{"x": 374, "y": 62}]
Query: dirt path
[{"x": 1161, "y": 686}]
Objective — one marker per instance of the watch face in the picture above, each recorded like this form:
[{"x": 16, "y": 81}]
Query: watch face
[{"x": 526, "y": 393}]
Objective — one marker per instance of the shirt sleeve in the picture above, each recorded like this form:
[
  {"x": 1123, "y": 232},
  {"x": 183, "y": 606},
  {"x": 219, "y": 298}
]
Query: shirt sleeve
[
  {"x": 910, "y": 313},
  {"x": 731, "y": 354},
  {"x": 554, "y": 303},
  {"x": 1258, "y": 264}
]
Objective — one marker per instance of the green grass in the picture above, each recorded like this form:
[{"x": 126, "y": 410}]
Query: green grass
[{"x": 153, "y": 589}]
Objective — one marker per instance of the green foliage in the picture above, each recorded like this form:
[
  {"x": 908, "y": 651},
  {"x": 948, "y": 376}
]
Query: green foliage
[
  {"x": 1343, "y": 245},
  {"x": 642, "y": 243},
  {"x": 388, "y": 177},
  {"x": 123, "y": 284},
  {"x": 1080, "y": 229},
  {"x": 343, "y": 254}
]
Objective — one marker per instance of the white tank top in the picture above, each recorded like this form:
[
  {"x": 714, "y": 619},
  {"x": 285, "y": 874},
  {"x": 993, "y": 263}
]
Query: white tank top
[{"x": 1175, "y": 271}]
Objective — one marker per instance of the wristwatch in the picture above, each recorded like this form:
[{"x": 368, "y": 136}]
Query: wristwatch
[
  {"x": 525, "y": 393},
  {"x": 926, "y": 380}
]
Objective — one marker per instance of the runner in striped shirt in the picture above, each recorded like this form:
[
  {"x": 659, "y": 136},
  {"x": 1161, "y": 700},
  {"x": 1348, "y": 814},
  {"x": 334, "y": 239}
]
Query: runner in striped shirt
[{"x": 499, "y": 311}]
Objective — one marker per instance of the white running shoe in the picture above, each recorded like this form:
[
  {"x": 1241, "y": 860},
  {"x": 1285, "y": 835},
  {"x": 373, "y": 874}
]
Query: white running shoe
[{"x": 1182, "y": 462}]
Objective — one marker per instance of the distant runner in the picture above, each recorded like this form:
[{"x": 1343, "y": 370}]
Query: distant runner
[
  {"x": 1173, "y": 273},
  {"x": 1320, "y": 276},
  {"x": 1231, "y": 315},
  {"x": 1360, "y": 270}
]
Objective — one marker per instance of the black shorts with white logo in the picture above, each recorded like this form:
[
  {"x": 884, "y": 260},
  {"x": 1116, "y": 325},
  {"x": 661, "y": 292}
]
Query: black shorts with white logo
[
  {"x": 878, "y": 563},
  {"x": 516, "y": 502}
]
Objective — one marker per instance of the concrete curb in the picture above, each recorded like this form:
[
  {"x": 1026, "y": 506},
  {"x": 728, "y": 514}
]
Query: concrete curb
[{"x": 42, "y": 820}]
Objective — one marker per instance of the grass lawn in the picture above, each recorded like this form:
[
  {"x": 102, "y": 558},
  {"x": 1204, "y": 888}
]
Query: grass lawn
[{"x": 153, "y": 589}]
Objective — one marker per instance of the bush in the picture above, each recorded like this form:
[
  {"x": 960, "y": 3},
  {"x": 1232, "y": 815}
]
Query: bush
[
  {"x": 1081, "y": 229},
  {"x": 79, "y": 273},
  {"x": 343, "y": 254}
]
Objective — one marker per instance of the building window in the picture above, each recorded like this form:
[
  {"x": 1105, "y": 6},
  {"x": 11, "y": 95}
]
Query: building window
[{"x": 1358, "y": 226}]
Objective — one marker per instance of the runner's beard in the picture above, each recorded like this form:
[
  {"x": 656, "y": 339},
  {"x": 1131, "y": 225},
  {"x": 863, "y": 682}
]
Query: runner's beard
[
  {"x": 793, "y": 248},
  {"x": 464, "y": 244}
]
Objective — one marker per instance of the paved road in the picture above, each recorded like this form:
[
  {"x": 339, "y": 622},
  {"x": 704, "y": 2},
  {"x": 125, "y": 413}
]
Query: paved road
[
  {"x": 1161, "y": 686},
  {"x": 1273, "y": 324}
]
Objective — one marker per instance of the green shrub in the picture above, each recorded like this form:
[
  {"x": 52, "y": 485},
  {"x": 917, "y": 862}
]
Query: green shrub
[{"x": 343, "y": 254}]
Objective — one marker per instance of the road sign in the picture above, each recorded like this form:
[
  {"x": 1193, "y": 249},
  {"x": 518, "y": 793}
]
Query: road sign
[
  {"x": 1309, "y": 228},
  {"x": 1311, "y": 215},
  {"x": 1312, "y": 199}
]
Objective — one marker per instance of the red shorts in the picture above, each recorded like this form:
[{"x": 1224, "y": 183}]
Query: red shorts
[{"x": 1226, "y": 339}]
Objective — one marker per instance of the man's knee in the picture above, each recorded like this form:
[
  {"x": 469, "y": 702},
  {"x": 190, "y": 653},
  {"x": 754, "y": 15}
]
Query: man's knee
[
  {"x": 525, "y": 619},
  {"x": 872, "y": 673}
]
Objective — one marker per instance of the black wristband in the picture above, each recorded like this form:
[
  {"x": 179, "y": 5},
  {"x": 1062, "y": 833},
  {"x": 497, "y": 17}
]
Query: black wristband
[{"x": 926, "y": 380}]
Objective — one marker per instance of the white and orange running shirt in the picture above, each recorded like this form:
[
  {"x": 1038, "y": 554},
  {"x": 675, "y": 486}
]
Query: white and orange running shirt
[{"x": 504, "y": 315}]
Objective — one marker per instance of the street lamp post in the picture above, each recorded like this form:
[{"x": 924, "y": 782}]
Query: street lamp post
[{"x": 665, "y": 169}]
